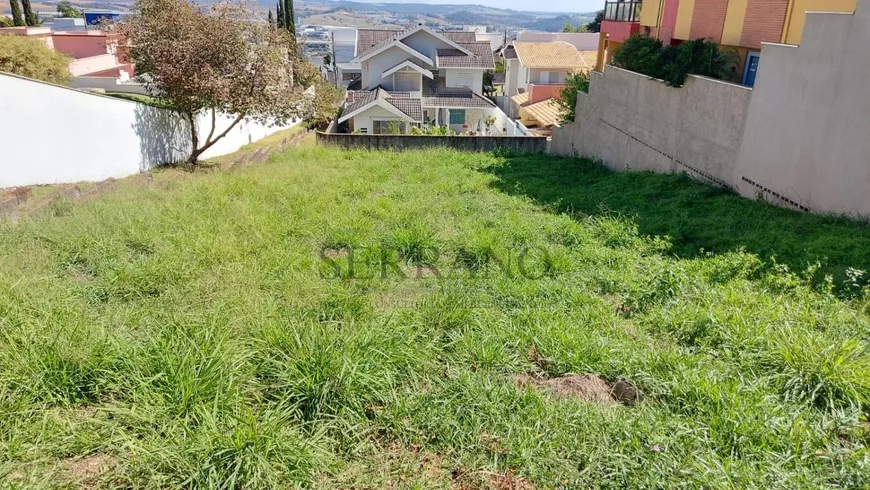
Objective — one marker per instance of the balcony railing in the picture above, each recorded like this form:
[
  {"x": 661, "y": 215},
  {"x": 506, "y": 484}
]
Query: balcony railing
[{"x": 622, "y": 11}]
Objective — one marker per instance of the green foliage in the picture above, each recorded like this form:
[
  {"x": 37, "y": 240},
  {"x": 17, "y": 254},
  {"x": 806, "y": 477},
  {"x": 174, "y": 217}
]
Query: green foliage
[
  {"x": 595, "y": 25},
  {"x": 674, "y": 63},
  {"x": 7, "y": 21},
  {"x": 66, "y": 9},
  {"x": 576, "y": 82},
  {"x": 30, "y": 17},
  {"x": 30, "y": 57},
  {"x": 17, "y": 16},
  {"x": 579, "y": 28},
  {"x": 394, "y": 127},
  {"x": 220, "y": 357}
]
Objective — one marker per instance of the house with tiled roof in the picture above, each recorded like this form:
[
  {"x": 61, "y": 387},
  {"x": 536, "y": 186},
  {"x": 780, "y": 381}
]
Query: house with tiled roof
[
  {"x": 535, "y": 73},
  {"x": 420, "y": 77}
]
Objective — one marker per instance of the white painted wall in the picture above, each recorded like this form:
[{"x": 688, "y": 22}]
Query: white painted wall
[
  {"x": 581, "y": 41},
  {"x": 454, "y": 78},
  {"x": 363, "y": 121},
  {"x": 373, "y": 68},
  {"x": 51, "y": 134},
  {"x": 495, "y": 39}
]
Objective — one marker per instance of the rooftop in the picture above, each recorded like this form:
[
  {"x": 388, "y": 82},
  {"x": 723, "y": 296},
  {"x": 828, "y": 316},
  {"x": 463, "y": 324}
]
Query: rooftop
[{"x": 557, "y": 54}]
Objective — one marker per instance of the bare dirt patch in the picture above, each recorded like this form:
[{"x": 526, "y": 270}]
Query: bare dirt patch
[
  {"x": 587, "y": 387},
  {"x": 87, "y": 467}
]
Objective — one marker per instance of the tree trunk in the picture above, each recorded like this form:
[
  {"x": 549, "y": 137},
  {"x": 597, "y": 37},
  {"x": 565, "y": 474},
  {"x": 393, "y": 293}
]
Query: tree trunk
[
  {"x": 290, "y": 16},
  {"x": 194, "y": 139},
  {"x": 17, "y": 18},
  {"x": 209, "y": 142},
  {"x": 29, "y": 17}
]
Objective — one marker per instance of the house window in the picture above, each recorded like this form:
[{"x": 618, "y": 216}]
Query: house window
[
  {"x": 457, "y": 116},
  {"x": 552, "y": 76}
]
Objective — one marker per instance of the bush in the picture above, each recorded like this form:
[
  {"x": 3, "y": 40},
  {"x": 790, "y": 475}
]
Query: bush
[
  {"x": 577, "y": 82},
  {"x": 6, "y": 21},
  {"x": 33, "y": 59},
  {"x": 673, "y": 63}
]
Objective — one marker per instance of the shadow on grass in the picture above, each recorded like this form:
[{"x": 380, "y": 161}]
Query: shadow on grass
[{"x": 696, "y": 217}]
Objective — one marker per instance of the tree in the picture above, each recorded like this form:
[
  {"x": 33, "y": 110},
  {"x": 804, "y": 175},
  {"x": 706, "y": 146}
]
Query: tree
[
  {"x": 576, "y": 82},
  {"x": 210, "y": 61},
  {"x": 32, "y": 58},
  {"x": 17, "y": 18},
  {"x": 30, "y": 18},
  {"x": 280, "y": 13},
  {"x": 289, "y": 19},
  {"x": 271, "y": 19},
  {"x": 595, "y": 25},
  {"x": 66, "y": 9}
]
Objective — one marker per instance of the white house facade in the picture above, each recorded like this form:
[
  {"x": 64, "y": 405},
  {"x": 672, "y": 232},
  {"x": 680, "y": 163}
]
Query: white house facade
[{"x": 421, "y": 77}]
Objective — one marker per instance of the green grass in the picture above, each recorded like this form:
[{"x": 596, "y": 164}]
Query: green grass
[{"x": 194, "y": 336}]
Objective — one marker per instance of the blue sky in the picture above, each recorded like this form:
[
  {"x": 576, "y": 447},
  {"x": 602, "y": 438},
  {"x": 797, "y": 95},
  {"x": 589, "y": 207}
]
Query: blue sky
[{"x": 545, "y": 6}]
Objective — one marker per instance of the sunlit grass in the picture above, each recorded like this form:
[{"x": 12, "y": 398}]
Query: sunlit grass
[{"x": 208, "y": 332}]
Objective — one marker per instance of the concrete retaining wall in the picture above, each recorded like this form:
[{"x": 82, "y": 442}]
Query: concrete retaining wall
[
  {"x": 630, "y": 121},
  {"x": 520, "y": 144},
  {"x": 51, "y": 134},
  {"x": 800, "y": 139}
]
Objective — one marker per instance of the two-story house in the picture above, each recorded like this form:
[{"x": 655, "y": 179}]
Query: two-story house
[{"x": 420, "y": 77}]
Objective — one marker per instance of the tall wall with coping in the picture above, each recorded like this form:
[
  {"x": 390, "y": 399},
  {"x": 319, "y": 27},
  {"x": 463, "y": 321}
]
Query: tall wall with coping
[
  {"x": 629, "y": 121},
  {"x": 51, "y": 134},
  {"x": 807, "y": 142}
]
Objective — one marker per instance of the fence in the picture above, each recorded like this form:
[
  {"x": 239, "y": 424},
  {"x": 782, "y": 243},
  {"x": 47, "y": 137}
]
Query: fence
[{"x": 519, "y": 144}]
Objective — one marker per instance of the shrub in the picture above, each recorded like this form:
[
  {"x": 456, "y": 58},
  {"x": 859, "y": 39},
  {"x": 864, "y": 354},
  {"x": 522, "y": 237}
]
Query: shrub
[
  {"x": 32, "y": 58},
  {"x": 577, "y": 82},
  {"x": 673, "y": 63},
  {"x": 6, "y": 22}
]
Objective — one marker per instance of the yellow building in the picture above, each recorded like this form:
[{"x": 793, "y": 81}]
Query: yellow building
[{"x": 739, "y": 24}]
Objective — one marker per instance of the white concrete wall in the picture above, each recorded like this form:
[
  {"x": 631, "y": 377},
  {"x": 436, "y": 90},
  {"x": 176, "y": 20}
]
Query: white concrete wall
[
  {"x": 51, "y": 134},
  {"x": 581, "y": 41},
  {"x": 807, "y": 142},
  {"x": 452, "y": 78},
  {"x": 631, "y": 122}
]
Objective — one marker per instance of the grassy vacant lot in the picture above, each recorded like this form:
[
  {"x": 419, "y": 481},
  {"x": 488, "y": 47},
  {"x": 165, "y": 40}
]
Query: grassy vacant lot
[{"x": 211, "y": 334}]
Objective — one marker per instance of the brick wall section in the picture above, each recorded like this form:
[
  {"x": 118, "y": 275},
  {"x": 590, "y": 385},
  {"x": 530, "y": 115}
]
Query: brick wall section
[
  {"x": 708, "y": 20},
  {"x": 763, "y": 23}
]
